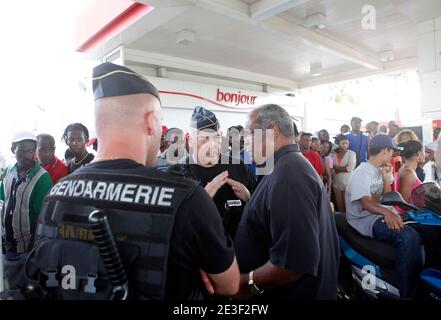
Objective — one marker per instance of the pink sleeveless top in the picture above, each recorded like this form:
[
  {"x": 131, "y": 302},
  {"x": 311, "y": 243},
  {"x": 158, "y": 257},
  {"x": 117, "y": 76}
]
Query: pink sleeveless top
[{"x": 417, "y": 183}]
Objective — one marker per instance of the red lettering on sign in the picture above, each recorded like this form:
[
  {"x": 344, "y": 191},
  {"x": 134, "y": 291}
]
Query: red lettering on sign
[
  {"x": 236, "y": 98},
  {"x": 219, "y": 95}
]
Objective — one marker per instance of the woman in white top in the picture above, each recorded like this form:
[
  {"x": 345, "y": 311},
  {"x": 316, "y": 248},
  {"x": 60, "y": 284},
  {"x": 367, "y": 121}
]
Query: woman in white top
[
  {"x": 432, "y": 173},
  {"x": 344, "y": 163},
  {"x": 433, "y": 168}
]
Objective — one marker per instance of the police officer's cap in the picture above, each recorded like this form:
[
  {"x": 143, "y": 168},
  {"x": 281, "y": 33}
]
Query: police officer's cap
[
  {"x": 111, "y": 80},
  {"x": 203, "y": 119}
]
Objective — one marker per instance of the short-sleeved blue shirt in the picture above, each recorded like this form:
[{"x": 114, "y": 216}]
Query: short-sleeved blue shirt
[{"x": 354, "y": 144}]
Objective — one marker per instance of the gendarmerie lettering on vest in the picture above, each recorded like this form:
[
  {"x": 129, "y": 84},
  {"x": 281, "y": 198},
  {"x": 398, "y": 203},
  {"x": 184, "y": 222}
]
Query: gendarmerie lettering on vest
[{"x": 112, "y": 191}]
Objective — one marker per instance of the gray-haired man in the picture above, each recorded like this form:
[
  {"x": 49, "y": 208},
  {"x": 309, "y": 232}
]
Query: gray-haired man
[{"x": 286, "y": 243}]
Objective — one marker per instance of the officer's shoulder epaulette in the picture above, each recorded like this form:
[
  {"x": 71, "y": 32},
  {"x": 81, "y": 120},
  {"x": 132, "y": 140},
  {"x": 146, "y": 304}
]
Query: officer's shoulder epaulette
[
  {"x": 180, "y": 170},
  {"x": 182, "y": 173}
]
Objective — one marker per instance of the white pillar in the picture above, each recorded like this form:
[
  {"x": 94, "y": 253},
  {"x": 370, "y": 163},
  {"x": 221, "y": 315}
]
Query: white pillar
[{"x": 429, "y": 66}]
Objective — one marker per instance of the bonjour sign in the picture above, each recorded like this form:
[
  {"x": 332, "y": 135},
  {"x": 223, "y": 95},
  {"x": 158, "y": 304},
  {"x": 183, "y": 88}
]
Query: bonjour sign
[{"x": 236, "y": 98}]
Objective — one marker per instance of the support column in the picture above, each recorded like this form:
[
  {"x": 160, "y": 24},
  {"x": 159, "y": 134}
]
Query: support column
[{"x": 429, "y": 65}]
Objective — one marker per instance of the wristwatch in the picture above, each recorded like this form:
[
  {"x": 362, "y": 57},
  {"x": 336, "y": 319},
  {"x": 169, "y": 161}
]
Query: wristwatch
[{"x": 251, "y": 285}]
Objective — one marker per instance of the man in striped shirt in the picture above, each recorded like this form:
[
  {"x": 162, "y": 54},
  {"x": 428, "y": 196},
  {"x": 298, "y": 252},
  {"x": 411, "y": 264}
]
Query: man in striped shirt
[{"x": 23, "y": 189}]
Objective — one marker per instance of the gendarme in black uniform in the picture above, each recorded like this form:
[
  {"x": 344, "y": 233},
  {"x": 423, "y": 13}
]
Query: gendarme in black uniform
[
  {"x": 197, "y": 239},
  {"x": 166, "y": 227},
  {"x": 288, "y": 221},
  {"x": 228, "y": 204},
  {"x": 226, "y": 201}
]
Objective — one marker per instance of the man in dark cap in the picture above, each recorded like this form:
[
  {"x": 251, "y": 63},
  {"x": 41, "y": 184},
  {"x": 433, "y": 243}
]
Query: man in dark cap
[
  {"x": 365, "y": 214},
  {"x": 229, "y": 183},
  {"x": 168, "y": 230},
  {"x": 358, "y": 140}
]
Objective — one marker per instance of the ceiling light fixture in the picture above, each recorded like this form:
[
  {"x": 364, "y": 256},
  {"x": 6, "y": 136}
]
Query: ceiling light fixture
[
  {"x": 185, "y": 37},
  {"x": 316, "y": 21},
  {"x": 386, "y": 56},
  {"x": 315, "y": 69}
]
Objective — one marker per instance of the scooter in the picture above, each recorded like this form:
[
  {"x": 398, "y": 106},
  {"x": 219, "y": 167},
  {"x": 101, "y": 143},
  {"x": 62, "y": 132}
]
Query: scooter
[{"x": 367, "y": 265}]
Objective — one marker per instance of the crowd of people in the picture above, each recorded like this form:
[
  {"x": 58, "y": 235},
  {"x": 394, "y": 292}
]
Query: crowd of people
[
  {"x": 364, "y": 166},
  {"x": 234, "y": 231}
]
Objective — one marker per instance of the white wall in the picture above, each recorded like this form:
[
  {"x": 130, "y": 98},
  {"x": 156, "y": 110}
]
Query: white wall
[
  {"x": 180, "y": 118},
  {"x": 429, "y": 65},
  {"x": 179, "y": 97}
]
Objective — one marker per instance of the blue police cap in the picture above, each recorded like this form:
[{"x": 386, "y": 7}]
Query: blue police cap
[
  {"x": 204, "y": 119},
  {"x": 111, "y": 80}
]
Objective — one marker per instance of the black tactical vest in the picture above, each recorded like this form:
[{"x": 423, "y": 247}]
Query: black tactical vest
[{"x": 140, "y": 211}]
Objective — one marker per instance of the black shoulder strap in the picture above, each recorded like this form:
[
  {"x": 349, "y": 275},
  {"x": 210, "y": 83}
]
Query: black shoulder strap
[
  {"x": 361, "y": 143},
  {"x": 183, "y": 170}
]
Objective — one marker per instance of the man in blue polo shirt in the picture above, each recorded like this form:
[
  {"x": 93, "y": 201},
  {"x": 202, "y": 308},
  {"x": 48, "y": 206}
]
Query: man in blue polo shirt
[{"x": 358, "y": 140}]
